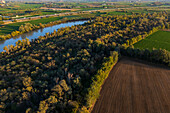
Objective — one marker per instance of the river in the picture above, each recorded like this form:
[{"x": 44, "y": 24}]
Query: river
[{"x": 36, "y": 33}]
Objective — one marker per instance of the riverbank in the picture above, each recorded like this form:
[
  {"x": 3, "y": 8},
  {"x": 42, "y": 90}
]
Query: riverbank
[
  {"x": 59, "y": 21},
  {"x": 37, "y": 33}
]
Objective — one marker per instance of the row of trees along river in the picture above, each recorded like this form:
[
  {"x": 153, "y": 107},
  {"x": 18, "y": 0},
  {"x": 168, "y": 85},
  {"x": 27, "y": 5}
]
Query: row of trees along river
[{"x": 35, "y": 33}]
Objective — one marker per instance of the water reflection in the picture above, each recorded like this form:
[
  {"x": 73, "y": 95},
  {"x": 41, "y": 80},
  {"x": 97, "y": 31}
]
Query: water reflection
[
  {"x": 2, "y": 42},
  {"x": 35, "y": 34},
  {"x": 16, "y": 37},
  {"x": 23, "y": 36}
]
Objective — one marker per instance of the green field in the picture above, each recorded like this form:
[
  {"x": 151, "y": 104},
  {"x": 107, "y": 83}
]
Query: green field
[
  {"x": 159, "y": 39},
  {"x": 18, "y": 8},
  {"x": 118, "y": 13},
  {"x": 15, "y": 26},
  {"x": 7, "y": 29}
]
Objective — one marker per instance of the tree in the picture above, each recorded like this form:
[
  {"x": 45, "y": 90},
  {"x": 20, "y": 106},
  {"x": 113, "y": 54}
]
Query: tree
[
  {"x": 0, "y": 18},
  {"x": 27, "y": 81},
  {"x": 43, "y": 106},
  {"x": 58, "y": 89},
  {"x": 13, "y": 63},
  {"x": 41, "y": 25},
  {"x": 64, "y": 85},
  {"x": 22, "y": 29},
  {"x": 6, "y": 49}
]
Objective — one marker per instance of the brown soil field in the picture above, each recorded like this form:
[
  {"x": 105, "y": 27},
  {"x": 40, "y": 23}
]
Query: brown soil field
[
  {"x": 61, "y": 9},
  {"x": 135, "y": 87}
]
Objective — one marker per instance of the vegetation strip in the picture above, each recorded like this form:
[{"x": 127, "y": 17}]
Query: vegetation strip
[
  {"x": 98, "y": 80},
  {"x": 158, "y": 56}
]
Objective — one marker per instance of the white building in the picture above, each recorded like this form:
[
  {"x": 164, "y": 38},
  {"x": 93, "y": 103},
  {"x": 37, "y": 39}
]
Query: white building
[{"x": 2, "y": 1}]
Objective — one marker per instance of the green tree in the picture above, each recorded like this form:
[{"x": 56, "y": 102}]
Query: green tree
[{"x": 64, "y": 85}]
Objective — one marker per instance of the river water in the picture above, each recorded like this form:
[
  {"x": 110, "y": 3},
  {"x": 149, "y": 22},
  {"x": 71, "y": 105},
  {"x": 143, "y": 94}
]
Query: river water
[{"x": 36, "y": 33}]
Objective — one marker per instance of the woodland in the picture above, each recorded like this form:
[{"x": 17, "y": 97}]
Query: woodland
[{"x": 62, "y": 72}]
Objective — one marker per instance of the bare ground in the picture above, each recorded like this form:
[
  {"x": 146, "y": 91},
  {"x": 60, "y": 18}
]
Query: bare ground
[
  {"x": 135, "y": 87},
  {"x": 166, "y": 30},
  {"x": 58, "y": 8}
]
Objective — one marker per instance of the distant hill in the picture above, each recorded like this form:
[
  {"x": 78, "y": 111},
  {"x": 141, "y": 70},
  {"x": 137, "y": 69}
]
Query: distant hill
[
  {"x": 90, "y": 0},
  {"x": 110, "y": 0}
]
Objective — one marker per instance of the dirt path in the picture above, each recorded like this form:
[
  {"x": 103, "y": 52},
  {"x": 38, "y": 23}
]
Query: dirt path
[
  {"x": 134, "y": 87},
  {"x": 166, "y": 29},
  {"x": 62, "y": 9}
]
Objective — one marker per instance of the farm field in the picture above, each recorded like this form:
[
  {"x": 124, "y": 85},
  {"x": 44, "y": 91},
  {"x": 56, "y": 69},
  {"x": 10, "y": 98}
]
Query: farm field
[
  {"x": 18, "y": 8},
  {"x": 134, "y": 87},
  {"x": 15, "y": 26},
  {"x": 159, "y": 39},
  {"x": 21, "y": 7},
  {"x": 7, "y": 29},
  {"x": 64, "y": 9},
  {"x": 118, "y": 13}
]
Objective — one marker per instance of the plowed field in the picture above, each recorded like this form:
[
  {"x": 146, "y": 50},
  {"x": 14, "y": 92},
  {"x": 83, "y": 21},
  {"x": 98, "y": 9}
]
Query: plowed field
[{"x": 134, "y": 87}]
